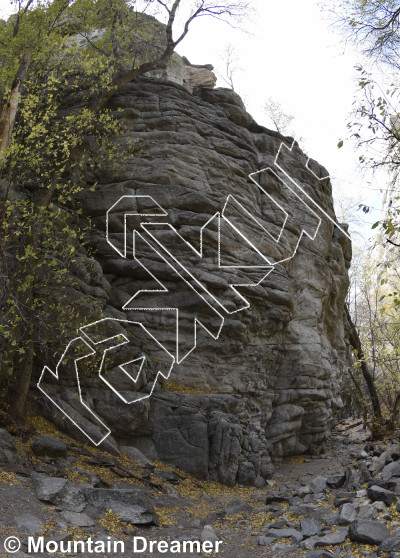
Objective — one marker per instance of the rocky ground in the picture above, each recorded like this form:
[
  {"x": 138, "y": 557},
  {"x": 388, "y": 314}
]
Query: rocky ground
[{"x": 344, "y": 503}]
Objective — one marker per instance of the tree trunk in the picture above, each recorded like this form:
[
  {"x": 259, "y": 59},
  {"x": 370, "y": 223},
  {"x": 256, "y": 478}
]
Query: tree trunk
[
  {"x": 355, "y": 342},
  {"x": 10, "y": 107},
  {"x": 19, "y": 381}
]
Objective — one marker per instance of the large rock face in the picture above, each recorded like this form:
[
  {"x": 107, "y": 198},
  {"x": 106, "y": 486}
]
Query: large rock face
[{"x": 268, "y": 385}]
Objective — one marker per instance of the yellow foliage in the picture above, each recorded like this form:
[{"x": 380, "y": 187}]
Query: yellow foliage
[{"x": 9, "y": 478}]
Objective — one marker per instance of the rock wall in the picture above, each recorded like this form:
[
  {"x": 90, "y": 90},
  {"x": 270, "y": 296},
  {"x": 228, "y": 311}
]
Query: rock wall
[{"x": 269, "y": 385}]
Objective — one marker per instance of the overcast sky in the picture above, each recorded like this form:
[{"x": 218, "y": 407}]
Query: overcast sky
[
  {"x": 295, "y": 55},
  {"x": 292, "y": 54}
]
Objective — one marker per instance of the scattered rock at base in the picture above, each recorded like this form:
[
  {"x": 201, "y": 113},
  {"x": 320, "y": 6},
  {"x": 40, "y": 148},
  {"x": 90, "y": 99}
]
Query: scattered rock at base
[
  {"x": 208, "y": 534},
  {"x": 8, "y": 449},
  {"x": 377, "y": 493},
  {"x": 391, "y": 470},
  {"x": 47, "y": 446},
  {"x": 391, "y": 544},
  {"x": 77, "y": 519},
  {"x": 138, "y": 456},
  {"x": 318, "y": 484},
  {"x": 238, "y": 506},
  {"x": 59, "y": 492},
  {"x": 347, "y": 514},
  {"x": 29, "y": 522},
  {"x": 368, "y": 531},
  {"x": 131, "y": 505}
]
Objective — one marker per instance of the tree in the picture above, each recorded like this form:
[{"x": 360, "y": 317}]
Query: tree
[
  {"x": 280, "y": 120},
  {"x": 230, "y": 61},
  {"x": 374, "y": 25},
  {"x": 374, "y": 333},
  {"x": 62, "y": 63},
  {"x": 157, "y": 58}
]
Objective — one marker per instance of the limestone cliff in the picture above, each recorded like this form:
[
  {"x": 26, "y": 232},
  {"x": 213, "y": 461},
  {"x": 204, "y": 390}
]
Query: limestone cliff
[{"x": 269, "y": 385}]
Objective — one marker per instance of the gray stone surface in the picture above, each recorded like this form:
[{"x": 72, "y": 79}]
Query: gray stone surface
[
  {"x": 379, "y": 494},
  {"x": 30, "y": 522},
  {"x": 270, "y": 384},
  {"x": 389, "y": 455},
  {"x": 8, "y": 449},
  {"x": 138, "y": 456},
  {"x": 208, "y": 534},
  {"x": 347, "y": 514},
  {"x": 48, "y": 446},
  {"x": 367, "y": 531},
  {"x": 318, "y": 484},
  {"x": 332, "y": 538},
  {"x": 168, "y": 476},
  {"x": 59, "y": 492},
  {"x": 238, "y": 506},
  {"x": 77, "y": 519},
  {"x": 310, "y": 527},
  {"x": 391, "y": 544},
  {"x": 391, "y": 470},
  {"x": 295, "y": 535},
  {"x": 92, "y": 479},
  {"x": 131, "y": 505},
  {"x": 336, "y": 481},
  {"x": 325, "y": 539},
  {"x": 367, "y": 511}
]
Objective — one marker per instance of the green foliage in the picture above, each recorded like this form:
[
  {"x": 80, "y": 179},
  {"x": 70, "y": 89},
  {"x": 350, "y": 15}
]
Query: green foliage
[
  {"x": 374, "y": 304},
  {"x": 42, "y": 174},
  {"x": 374, "y": 27},
  {"x": 81, "y": 53}
]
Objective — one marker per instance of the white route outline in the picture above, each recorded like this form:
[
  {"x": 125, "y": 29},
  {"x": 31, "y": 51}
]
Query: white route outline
[
  {"x": 145, "y": 227},
  {"x": 164, "y": 289},
  {"x": 126, "y": 340},
  {"x": 56, "y": 376},
  {"x": 304, "y": 192},
  {"x": 131, "y": 213},
  {"x": 101, "y": 376}
]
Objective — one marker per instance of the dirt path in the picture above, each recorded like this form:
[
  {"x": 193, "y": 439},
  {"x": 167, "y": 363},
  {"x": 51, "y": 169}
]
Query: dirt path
[{"x": 241, "y": 517}]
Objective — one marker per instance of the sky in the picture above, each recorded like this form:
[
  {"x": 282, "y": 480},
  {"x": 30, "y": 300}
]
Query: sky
[
  {"x": 295, "y": 55},
  {"x": 291, "y": 53}
]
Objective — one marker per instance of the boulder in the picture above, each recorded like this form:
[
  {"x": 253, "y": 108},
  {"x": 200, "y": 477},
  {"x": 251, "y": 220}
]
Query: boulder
[
  {"x": 310, "y": 527},
  {"x": 368, "y": 531},
  {"x": 211, "y": 431},
  {"x": 59, "y": 492},
  {"x": 8, "y": 449},
  {"x": 131, "y": 505},
  {"x": 377, "y": 493},
  {"x": 347, "y": 514},
  {"x": 391, "y": 544},
  {"x": 238, "y": 506},
  {"x": 48, "y": 446},
  {"x": 391, "y": 470},
  {"x": 332, "y": 538},
  {"x": 29, "y": 522},
  {"x": 367, "y": 511},
  {"x": 389, "y": 455},
  {"x": 336, "y": 481},
  {"x": 326, "y": 539},
  {"x": 318, "y": 484},
  {"x": 138, "y": 456},
  {"x": 208, "y": 534},
  {"x": 77, "y": 519}
]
